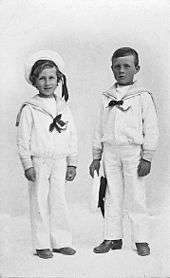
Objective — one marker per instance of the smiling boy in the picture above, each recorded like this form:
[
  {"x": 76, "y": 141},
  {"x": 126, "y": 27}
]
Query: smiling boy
[{"x": 125, "y": 138}]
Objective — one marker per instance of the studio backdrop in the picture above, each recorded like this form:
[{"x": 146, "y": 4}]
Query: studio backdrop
[{"x": 85, "y": 33}]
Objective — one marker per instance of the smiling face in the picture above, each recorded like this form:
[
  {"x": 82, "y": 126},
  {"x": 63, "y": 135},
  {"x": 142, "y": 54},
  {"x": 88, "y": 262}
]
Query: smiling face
[
  {"x": 124, "y": 69},
  {"x": 47, "y": 82}
]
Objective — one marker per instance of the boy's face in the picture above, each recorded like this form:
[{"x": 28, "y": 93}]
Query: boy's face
[
  {"x": 124, "y": 69},
  {"x": 46, "y": 82}
]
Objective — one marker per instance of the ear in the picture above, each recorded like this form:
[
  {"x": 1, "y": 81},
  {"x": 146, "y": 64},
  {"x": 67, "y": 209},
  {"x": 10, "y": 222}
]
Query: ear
[{"x": 137, "y": 68}]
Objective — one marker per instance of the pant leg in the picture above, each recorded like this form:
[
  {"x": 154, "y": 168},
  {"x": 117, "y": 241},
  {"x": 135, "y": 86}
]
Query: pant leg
[
  {"x": 113, "y": 227},
  {"x": 59, "y": 215},
  {"x": 136, "y": 199},
  {"x": 39, "y": 210}
]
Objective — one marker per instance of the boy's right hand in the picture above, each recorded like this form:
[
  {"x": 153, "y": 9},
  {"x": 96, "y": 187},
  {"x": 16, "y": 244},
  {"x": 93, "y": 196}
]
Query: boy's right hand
[
  {"x": 30, "y": 174},
  {"x": 95, "y": 165}
]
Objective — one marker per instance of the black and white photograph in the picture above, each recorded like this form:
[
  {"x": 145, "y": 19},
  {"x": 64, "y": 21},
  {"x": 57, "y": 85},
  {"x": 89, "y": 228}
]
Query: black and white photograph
[{"x": 85, "y": 134}]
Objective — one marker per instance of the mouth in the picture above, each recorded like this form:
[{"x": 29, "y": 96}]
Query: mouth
[
  {"x": 122, "y": 76},
  {"x": 48, "y": 88}
]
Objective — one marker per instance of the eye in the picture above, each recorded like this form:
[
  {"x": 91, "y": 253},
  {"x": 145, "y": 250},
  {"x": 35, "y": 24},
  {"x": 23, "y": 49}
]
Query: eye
[
  {"x": 41, "y": 78},
  {"x": 117, "y": 67},
  {"x": 127, "y": 66}
]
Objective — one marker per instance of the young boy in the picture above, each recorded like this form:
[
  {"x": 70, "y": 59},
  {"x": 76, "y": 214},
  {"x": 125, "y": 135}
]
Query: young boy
[
  {"x": 47, "y": 146},
  {"x": 125, "y": 138}
]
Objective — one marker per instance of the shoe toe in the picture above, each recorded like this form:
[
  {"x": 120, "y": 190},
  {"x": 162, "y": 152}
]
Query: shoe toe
[
  {"x": 143, "y": 249},
  {"x": 44, "y": 253},
  {"x": 65, "y": 251},
  {"x": 108, "y": 245}
]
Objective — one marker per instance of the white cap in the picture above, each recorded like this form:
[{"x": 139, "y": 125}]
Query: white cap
[{"x": 43, "y": 55}]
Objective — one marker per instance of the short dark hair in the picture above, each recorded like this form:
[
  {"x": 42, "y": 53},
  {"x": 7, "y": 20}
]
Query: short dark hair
[
  {"x": 40, "y": 65},
  {"x": 125, "y": 51}
]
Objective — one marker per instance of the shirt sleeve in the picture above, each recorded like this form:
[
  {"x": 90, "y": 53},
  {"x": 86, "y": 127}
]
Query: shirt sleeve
[
  {"x": 73, "y": 145},
  {"x": 150, "y": 126},
  {"x": 97, "y": 146},
  {"x": 23, "y": 137}
]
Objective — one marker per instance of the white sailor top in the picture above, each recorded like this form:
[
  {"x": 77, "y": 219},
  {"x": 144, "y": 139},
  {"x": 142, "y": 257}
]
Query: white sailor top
[
  {"x": 46, "y": 129},
  {"x": 131, "y": 120}
]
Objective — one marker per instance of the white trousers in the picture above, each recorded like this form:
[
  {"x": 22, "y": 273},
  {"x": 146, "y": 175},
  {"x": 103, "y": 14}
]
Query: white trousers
[
  {"x": 120, "y": 166},
  {"x": 48, "y": 208}
]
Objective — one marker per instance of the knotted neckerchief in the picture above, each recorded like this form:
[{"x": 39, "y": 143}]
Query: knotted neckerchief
[
  {"x": 115, "y": 102},
  {"x": 58, "y": 124},
  {"x": 118, "y": 104}
]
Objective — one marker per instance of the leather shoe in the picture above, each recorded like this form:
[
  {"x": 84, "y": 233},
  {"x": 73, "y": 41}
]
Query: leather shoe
[
  {"x": 44, "y": 253},
  {"x": 65, "y": 250},
  {"x": 108, "y": 245},
  {"x": 143, "y": 248}
]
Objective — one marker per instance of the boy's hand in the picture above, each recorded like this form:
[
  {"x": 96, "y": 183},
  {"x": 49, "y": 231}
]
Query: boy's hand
[
  {"x": 95, "y": 165},
  {"x": 144, "y": 168},
  {"x": 71, "y": 173},
  {"x": 30, "y": 174}
]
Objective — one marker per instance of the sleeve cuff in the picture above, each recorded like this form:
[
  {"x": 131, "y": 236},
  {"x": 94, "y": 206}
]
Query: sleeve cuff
[
  {"x": 72, "y": 161},
  {"x": 148, "y": 155},
  {"x": 97, "y": 154},
  {"x": 26, "y": 163}
]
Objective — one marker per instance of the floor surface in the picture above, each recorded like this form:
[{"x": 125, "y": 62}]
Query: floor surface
[{"x": 17, "y": 259}]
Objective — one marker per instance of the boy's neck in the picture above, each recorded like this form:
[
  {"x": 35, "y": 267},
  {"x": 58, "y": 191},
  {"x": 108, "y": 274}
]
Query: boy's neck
[{"x": 124, "y": 85}]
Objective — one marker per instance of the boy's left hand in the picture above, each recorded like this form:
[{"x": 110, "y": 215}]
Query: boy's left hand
[
  {"x": 144, "y": 167},
  {"x": 71, "y": 173}
]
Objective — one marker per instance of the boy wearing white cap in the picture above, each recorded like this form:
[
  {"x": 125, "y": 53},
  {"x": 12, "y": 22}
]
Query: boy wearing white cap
[
  {"x": 47, "y": 146},
  {"x": 125, "y": 137}
]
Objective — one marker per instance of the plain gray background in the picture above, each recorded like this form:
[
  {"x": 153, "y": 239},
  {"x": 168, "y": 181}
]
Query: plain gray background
[{"x": 85, "y": 33}]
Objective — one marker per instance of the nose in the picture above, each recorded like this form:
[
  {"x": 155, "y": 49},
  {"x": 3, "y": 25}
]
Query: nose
[
  {"x": 47, "y": 81},
  {"x": 121, "y": 69}
]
